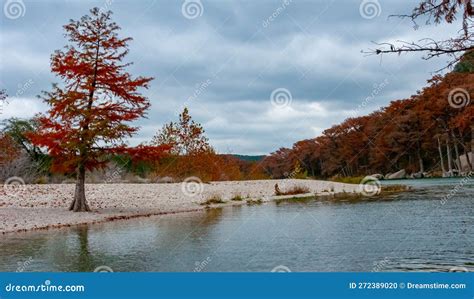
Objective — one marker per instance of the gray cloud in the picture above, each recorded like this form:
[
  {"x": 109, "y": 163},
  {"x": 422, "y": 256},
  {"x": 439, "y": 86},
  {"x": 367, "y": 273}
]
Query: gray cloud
[{"x": 240, "y": 51}]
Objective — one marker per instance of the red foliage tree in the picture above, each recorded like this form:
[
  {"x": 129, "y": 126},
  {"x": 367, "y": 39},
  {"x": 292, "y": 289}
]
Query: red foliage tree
[{"x": 89, "y": 115}]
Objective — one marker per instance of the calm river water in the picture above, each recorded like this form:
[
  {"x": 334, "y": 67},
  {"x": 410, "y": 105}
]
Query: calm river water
[{"x": 415, "y": 231}]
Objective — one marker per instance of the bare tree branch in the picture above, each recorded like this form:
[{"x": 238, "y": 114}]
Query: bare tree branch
[{"x": 436, "y": 11}]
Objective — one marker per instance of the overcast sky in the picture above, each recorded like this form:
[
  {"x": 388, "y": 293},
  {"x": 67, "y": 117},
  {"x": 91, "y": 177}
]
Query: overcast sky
[{"x": 258, "y": 75}]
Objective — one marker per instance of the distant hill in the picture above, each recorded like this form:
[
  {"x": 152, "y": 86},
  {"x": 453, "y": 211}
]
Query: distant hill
[{"x": 249, "y": 158}]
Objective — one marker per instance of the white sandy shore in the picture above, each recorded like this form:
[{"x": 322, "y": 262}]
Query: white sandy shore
[{"x": 45, "y": 206}]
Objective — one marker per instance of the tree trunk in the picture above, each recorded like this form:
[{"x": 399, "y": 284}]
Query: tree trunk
[
  {"x": 441, "y": 157},
  {"x": 472, "y": 139},
  {"x": 79, "y": 204},
  {"x": 420, "y": 159},
  {"x": 456, "y": 151},
  {"x": 468, "y": 160},
  {"x": 450, "y": 159}
]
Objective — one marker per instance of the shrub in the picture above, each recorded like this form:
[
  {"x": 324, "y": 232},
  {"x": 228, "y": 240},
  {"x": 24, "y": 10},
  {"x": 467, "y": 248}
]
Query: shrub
[
  {"x": 292, "y": 191},
  {"x": 237, "y": 197},
  {"x": 215, "y": 199}
]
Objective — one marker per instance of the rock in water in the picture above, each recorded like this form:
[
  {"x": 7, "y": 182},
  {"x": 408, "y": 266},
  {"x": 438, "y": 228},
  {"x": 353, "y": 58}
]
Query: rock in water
[
  {"x": 401, "y": 174},
  {"x": 378, "y": 176}
]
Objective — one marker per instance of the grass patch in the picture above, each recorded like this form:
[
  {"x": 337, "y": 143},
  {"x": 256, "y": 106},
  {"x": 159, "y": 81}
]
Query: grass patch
[
  {"x": 292, "y": 191},
  {"x": 347, "y": 180},
  {"x": 215, "y": 199},
  {"x": 237, "y": 197},
  {"x": 304, "y": 199},
  {"x": 394, "y": 188},
  {"x": 251, "y": 202}
]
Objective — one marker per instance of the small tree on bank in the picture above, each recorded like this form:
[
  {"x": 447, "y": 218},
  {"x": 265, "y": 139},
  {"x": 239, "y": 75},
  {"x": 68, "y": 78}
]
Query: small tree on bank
[
  {"x": 89, "y": 115},
  {"x": 186, "y": 137}
]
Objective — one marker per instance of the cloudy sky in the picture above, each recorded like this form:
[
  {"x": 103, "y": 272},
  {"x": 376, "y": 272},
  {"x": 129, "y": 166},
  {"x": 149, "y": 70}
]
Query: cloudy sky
[{"x": 258, "y": 75}]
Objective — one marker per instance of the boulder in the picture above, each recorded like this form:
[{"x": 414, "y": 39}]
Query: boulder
[
  {"x": 378, "y": 176},
  {"x": 416, "y": 175},
  {"x": 165, "y": 180},
  {"x": 401, "y": 174},
  {"x": 464, "y": 162}
]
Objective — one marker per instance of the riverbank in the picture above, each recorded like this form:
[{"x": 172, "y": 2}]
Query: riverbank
[{"x": 33, "y": 207}]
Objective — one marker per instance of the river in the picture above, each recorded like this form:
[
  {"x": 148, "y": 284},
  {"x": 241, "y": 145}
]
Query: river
[{"x": 430, "y": 228}]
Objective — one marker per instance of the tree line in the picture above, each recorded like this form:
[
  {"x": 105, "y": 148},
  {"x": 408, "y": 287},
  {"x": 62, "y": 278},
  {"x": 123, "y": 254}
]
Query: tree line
[{"x": 429, "y": 132}]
